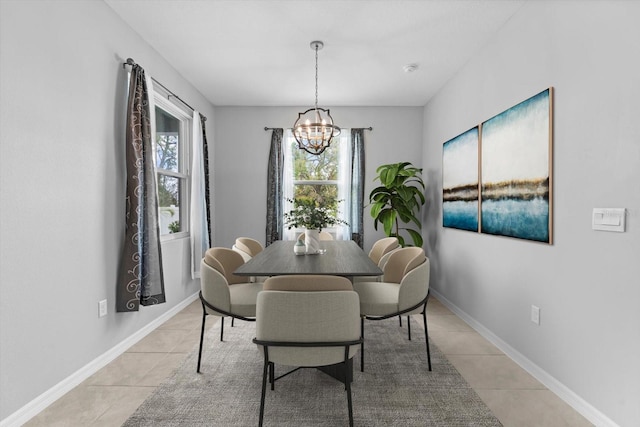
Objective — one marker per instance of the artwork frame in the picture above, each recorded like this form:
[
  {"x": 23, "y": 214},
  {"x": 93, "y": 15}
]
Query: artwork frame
[
  {"x": 514, "y": 170},
  {"x": 461, "y": 181}
]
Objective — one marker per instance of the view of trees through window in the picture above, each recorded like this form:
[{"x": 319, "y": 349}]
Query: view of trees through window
[
  {"x": 171, "y": 180},
  {"x": 315, "y": 177}
]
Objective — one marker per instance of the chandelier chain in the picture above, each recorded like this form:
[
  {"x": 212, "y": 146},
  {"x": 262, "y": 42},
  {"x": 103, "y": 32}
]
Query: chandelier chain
[{"x": 316, "y": 76}]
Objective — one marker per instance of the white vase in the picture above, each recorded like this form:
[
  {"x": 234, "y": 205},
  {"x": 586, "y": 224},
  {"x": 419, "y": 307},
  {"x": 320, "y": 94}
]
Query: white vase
[{"x": 312, "y": 241}]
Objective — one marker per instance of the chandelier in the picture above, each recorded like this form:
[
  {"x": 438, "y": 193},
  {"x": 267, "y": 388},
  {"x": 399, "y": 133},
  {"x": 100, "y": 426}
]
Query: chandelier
[{"x": 314, "y": 128}]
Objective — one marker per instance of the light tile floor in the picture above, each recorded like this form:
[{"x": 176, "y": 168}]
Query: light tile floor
[{"x": 111, "y": 395}]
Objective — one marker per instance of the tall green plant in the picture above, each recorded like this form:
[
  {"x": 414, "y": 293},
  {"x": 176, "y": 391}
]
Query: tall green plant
[{"x": 398, "y": 199}]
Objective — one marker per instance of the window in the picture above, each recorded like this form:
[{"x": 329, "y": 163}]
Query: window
[
  {"x": 171, "y": 145},
  {"x": 325, "y": 178}
]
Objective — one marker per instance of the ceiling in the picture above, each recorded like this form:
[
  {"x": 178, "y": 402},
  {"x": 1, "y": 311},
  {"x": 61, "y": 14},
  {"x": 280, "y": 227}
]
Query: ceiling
[{"x": 257, "y": 52}]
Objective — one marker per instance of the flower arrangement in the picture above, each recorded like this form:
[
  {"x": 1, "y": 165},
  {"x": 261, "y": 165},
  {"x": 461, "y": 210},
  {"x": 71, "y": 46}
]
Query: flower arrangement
[{"x": 308, "y": 213}]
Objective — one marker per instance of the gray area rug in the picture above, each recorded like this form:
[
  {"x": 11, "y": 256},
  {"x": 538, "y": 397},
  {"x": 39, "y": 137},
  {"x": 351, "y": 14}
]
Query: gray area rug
[{"x": 396, "y": 388}]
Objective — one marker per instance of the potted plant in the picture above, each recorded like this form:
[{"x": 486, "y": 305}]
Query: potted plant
[
  {"x": 307, "y": 213},
  {"x": 398, "y": 199}
]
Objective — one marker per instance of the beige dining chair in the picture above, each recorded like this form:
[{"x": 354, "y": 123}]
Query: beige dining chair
[
  {"x": 247, "y": 247},
  {"x": 324, "y": 235},
  {"x": 307, "y": 321},
  {"x": 379, "y": 254},
  {"x": 224, "y": 294},
  {"x": 404, "y": 289}
]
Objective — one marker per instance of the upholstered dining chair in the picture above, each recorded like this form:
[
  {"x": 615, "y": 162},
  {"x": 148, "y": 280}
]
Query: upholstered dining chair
[
  {"x": 247, "y": 247},
  {"x": 404, "y": 289},
  {"x": 222, "y": 293},
  {"x": 379, "y": 249},
  {"x": 324, "y": 235},
  {"x": 307, "y": 321}
]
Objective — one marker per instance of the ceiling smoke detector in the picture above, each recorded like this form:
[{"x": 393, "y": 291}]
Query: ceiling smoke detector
[{"x": 410, "y": 68}]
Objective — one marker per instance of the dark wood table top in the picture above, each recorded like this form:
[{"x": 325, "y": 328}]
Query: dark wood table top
[{"x": 342, "y": 258}]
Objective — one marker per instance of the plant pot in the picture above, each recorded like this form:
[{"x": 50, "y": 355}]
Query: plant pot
[{"x": 312, "y": 241}]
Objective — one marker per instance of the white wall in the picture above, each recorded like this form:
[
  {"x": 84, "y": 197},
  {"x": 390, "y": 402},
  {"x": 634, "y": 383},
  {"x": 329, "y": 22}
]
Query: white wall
[
  {"x": 242, "y": 151},
  {"x": 62, "y": 198},
  {"x": 587, "y": 282}
]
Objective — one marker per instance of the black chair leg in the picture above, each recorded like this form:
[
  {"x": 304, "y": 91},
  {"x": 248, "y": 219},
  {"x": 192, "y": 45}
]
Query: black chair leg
[
  {"x": 232, "y": 319},
  {"x": 349, "y": 404},
  {"x": 264, "y": 386},
  {"x": 409, "y": 326},
  {"x": 272, "y": 375},
  {"x": 362, "y": 344},
  {"x": 204, "y": 317},
  {"x": 400, "y": 319},
  {"x": 426, "y": 337},
  {"x": 221, "y": 328}
]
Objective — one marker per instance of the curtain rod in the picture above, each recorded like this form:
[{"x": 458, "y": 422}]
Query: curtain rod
[
  {"x": 268, "y": 128},
  {"x": 132, "y": 63}
]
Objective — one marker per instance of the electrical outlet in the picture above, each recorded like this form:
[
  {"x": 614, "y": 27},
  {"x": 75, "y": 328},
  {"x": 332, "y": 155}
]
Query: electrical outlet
[
  {"x": 535, "y": 314},
  {"x": 102, "y": 308}
]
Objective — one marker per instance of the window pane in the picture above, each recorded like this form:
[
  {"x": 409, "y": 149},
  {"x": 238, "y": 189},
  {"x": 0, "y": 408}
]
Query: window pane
[
  {"x": 167, "y": 140},
  {"x": 169, "y": 204},
  {"x": 307, "y": 166},
  {"x": 325, "y": 194}
]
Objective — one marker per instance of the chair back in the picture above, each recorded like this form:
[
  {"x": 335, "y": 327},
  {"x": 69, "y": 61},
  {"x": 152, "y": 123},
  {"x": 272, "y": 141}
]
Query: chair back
[
  {"x": 323, "y": 235},
  {"x": 401, "y": 262},
  {"x": 384, "y": 258},
  {"x": 308, "y": 309},
  {"x": 307, "y": 283},
  {"x": 381, "y": 247},
  {"x": 214, "y": 286},
  {"x": 225, "y": 261},
  {"x": 249, "y": 246}
]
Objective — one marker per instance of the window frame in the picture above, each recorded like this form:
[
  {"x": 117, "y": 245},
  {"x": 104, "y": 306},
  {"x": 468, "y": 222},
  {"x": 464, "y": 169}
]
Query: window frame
[
  {"x": 162, "y": 99},
  {"x": 343, "y": 184}
]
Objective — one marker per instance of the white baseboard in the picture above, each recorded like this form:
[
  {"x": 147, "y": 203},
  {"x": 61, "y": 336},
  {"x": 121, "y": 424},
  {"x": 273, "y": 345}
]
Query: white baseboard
[
  {"x": 41, "y": 402},
  {"x": 563, "y": 392}
]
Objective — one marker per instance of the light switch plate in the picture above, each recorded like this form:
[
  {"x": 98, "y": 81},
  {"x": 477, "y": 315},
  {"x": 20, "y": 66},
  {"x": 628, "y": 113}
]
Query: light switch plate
[{"x": 608, "y": 219}]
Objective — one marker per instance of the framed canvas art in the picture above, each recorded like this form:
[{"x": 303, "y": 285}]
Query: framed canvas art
[
  {"x": 460, "y": 181},
  {"x": 516, "y": 171}
]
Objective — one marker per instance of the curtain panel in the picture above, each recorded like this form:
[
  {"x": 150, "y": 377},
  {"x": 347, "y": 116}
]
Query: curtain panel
[
  {"x": 205, "y": 162},
  {"x": 140, "y": 280},
  {"x": 357, "y": 186},
  {"x": 198, "y": 218},
  {"x": 274, "y": 188}
]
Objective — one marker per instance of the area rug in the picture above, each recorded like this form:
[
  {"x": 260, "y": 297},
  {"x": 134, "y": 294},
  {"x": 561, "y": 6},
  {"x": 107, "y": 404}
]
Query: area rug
[{"x": 396, "y": 388}]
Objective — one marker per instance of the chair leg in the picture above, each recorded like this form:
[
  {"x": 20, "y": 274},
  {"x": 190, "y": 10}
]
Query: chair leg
[
  {"x": 204, "y": 318},
  {"x": 272, "y": 375},
  {"x": 400, "y": 319},
  {"x": 349, "y": 403},
  {"x": 232, "y": 319},
  {"x": 426, "y": 337},
  {"x": 264, "y": 385},
  {"x": 221, "y": 328},
  {"x": 409, "y": 326},
  {"x": 362, "y": 344}
]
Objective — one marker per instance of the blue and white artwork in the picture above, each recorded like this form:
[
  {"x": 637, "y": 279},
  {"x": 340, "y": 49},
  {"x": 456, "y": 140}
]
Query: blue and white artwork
[
  {"x": 460, "y": 181},
  {"x": 516, "y": 171}
]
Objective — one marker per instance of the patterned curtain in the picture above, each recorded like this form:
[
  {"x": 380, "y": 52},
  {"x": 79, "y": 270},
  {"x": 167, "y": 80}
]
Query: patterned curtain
[
  {"x": 205, "y": 161},
  {"x": 357, "y": 186},
  {"x": 198, "y": 224},
  {"x": 274, "y": 188},
  {"x": 140, "y": 281}
]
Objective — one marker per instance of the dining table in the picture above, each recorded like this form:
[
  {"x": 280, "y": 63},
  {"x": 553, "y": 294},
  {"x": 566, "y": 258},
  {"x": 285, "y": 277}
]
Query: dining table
[{"x": 336, "y": 258}]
